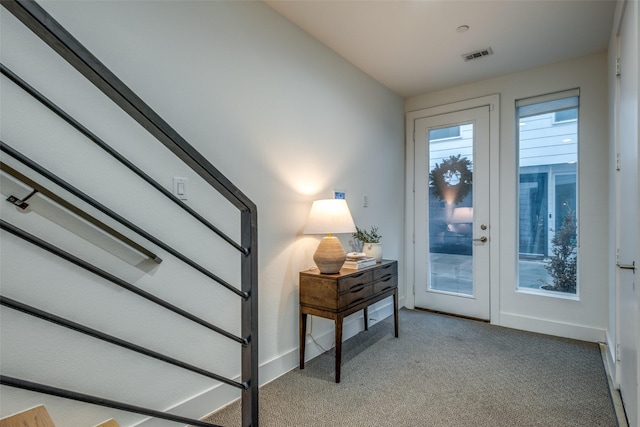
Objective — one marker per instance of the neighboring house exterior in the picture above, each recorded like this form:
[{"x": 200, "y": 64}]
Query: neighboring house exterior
[{"x": 548, "y": 165}]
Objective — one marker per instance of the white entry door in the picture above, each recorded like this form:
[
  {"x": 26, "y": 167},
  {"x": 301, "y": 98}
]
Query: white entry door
[
  {"x": 627, "y": 208},
  {"x": 452, "y": 230}
]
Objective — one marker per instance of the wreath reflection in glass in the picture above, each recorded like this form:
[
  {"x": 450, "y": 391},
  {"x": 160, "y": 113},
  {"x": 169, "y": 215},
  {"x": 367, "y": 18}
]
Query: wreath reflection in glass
[{"x": 452, "y": 179}]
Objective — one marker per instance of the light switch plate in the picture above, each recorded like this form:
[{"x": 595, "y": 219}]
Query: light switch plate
[{"x": 180, "y": 188}]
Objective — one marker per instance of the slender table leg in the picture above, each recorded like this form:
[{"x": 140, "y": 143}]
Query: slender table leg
[
  {"x": 303, "y": 336},
  {"x": 395, "y": 310},
  {"x": 338, "y": 346},
  {"x": 366, "y": 318}
]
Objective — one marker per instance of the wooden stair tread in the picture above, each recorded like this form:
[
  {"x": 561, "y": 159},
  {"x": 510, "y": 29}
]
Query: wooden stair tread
[
  {"x": 39, "y": 417},
  {"x": 34, "y": 417},
  {"x": 109, "y": 423}
]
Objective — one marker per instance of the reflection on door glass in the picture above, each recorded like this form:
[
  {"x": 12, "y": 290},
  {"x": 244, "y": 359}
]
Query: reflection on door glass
[
  {"x": 547, "y": 194},
  {"x": 451, "y": 209}
]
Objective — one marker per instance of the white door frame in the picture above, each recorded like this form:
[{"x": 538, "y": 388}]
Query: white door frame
[
  {"x": 629, "y": 388},
  {"x": 493, "y": 101},
  {"x": 477, "y": 303}
]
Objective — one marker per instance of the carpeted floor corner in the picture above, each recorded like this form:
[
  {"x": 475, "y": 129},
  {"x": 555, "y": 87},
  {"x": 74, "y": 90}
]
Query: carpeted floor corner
[{"x": 442, "y": 371}]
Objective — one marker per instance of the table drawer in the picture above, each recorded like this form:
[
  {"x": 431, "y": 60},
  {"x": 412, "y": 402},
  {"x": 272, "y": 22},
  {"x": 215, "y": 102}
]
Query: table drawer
[
  {"x": 385, "y": 284},
  {"x": 356, "y": 294},
  {"x": 385, "y": 270},
  {"x": 348, "y": 283}
]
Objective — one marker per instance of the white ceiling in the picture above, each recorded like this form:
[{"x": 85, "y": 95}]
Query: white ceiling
[{"x": 412, "y": 47}]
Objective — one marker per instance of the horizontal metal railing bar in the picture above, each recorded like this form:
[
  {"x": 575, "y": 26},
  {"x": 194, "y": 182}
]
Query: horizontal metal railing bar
[
  {"x": 106, "y": 147},
  {"x": 76, "y": 210},
  {"x": 76, "y": 192},
  {"x": 36, "y": 312},
  {"x": 4, "y": 225},
  {"x": 87, "y": 398},
  {"x": 61, "y": 41}
]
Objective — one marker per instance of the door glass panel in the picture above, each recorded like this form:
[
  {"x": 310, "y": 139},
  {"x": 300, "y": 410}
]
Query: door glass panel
[{"x": 451, "y": 209}]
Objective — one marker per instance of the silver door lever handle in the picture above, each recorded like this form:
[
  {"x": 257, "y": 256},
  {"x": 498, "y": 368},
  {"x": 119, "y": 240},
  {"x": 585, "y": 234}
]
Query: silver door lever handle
[
  {"x": 631, "y": 266},
  {"x": 482, "y": 239}
]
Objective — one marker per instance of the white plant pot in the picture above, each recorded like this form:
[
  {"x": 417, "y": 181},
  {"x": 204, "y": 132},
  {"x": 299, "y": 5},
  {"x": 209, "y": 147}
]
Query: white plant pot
[{"x": 373, "y": 250}]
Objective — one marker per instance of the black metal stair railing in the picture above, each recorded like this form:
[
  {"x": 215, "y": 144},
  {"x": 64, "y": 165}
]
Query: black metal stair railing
[
  {"x": 104, "y": 209},
  {"x": 58, "y": 39}
]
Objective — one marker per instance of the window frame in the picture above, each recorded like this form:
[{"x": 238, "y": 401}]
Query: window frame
[{"x": 532, "y": 107}]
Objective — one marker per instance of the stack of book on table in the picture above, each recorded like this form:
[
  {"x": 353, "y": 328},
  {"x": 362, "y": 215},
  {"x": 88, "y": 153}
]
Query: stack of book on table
[{"x": 356, "y": 262}]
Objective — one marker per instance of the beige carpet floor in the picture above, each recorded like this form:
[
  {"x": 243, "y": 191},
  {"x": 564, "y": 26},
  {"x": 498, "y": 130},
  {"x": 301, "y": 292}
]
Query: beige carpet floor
[{"x": 442, "y": 371}]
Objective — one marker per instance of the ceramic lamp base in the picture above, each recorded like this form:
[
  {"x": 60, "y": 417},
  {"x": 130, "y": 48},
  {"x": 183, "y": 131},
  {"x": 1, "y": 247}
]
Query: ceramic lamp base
[{"x": 329, "y": 257}]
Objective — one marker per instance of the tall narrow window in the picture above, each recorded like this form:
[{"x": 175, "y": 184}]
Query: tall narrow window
[{"x": 548, "y": 192}]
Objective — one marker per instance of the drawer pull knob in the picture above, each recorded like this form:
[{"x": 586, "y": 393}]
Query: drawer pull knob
[
  {"x": 387, "y": 288},
  {"x": 386, "y": 279}
]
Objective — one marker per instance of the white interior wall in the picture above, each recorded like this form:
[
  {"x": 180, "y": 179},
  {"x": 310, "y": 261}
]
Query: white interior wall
[
  {"x": 282, "y": 116},
  {"x": 586, "y": 318}
]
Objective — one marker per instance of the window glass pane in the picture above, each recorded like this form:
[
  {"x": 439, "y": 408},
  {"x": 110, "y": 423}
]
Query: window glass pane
[
  {"x": 547, "y": 195},
  {"x": 448, "y": 132},
  {"x": 566, "y": 115}
]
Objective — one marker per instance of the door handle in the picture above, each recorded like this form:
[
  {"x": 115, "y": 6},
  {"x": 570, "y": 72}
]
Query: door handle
[
  {"x": 631, "y": 266},
  {"x": 482, "y": 239}
]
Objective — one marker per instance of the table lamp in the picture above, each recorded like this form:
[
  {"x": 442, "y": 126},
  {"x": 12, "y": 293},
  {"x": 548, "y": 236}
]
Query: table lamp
[{"x": 329, "y": 216}]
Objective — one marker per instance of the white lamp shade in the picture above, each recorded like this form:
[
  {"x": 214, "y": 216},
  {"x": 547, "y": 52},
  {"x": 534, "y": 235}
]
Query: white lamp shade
[{"x": 330, "y": 216}]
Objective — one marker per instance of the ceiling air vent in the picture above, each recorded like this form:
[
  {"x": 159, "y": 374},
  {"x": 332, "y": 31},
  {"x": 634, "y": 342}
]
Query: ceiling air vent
[{"x": 477, "y": 54}]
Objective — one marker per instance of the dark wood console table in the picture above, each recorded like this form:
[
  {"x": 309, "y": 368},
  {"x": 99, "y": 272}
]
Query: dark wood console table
[{"x": 336, "y": 296}]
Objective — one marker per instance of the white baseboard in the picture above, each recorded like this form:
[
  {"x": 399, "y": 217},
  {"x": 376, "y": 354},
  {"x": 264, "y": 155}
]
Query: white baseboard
[
  {"x": 549, "y": 327},
  {"x": 222, "y": 395},
  {"x": 610, "y": 360}
]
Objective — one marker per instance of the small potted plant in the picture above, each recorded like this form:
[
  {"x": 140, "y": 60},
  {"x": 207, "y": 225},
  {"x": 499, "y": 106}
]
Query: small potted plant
[{"x": 371, "y": 245}]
